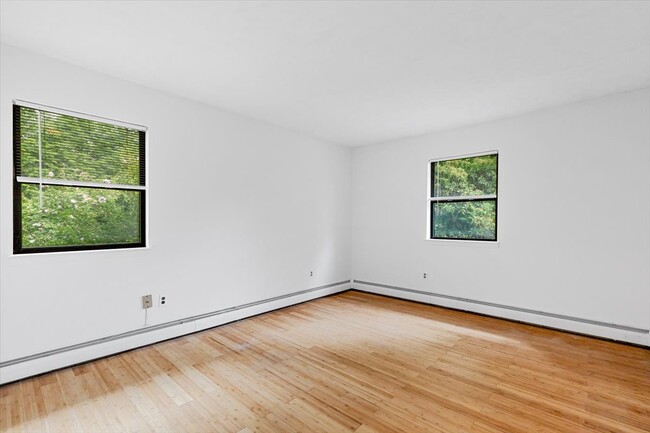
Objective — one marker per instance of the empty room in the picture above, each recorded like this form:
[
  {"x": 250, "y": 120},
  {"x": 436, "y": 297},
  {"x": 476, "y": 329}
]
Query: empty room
[{"x": 325, "y": 216}]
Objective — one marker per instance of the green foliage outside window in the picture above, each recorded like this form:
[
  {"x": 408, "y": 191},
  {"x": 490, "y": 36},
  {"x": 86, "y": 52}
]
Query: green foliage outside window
[
  {"x": 79, "y": 150},
  {"x": 464, "y": 192},
  {"x": 79, "y": 216}
]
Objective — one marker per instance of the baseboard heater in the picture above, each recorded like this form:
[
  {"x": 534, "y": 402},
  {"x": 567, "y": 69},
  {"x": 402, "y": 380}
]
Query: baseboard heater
[
  {"x": 166, "y": 325},
  {"x": 506, "y": 307}
]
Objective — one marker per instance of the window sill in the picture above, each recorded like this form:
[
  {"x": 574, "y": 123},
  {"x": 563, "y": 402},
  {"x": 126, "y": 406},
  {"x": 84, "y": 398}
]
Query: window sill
[
  {"x": 56, "y": 253},
  {"x": 461, "y": 243}
]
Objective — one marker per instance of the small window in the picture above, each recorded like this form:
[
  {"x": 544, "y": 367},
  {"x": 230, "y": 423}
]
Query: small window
[
  {"x": 463, "y": 198},
  {"x": 79, "y": 181}
]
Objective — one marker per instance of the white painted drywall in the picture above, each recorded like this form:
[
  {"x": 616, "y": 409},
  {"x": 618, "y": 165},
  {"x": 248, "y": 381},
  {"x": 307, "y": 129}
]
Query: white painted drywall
[
  {"x": 574, "y": 213},
  {"x": 239, "y": 211}
]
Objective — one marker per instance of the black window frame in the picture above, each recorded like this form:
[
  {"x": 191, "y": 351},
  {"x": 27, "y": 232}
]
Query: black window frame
[
  {"x": 17, "y": 191},
  {"x": 433, "y": 200}
]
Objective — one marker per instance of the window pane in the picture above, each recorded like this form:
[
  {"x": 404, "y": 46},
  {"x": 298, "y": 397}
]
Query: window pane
[
  {"x": 78, "y": 149},
  {"x": 464, "y": 220},
  {"x": 473, "y": 176},
  {"x": 73, "y": 216}
]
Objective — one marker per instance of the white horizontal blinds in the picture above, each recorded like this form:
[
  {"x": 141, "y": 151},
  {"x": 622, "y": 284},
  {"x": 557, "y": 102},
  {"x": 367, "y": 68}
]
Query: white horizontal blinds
[
  {"x": 59, "y": 149},
  {"x": 80, "y": 181},
  {"x": 79, "y": 115}
]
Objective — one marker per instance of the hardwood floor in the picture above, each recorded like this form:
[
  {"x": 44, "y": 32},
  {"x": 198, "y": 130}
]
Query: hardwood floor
[{"x": 352, "y": 362}]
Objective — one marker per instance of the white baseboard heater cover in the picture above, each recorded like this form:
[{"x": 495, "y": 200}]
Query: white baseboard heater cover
[
  {"x": 420, "y": 293},
  {"x": 161, "y": 326}
]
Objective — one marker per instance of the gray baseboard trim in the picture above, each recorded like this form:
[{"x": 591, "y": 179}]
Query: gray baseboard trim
[
  {"x": 165, "y": 325},
  {"x": 507, "y": 307}
]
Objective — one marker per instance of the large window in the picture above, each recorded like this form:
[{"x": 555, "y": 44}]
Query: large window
[
  {"x": 463, "y": 198},
  {"x": 79, "y": 181}
]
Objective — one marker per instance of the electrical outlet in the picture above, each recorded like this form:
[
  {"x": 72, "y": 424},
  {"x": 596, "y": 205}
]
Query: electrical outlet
[
  {"x": 147, "y": 301},
  {"x": 424, "y": 275},
  {"x": 311, "y": 273},
  {"x": 162, "y": 301}
]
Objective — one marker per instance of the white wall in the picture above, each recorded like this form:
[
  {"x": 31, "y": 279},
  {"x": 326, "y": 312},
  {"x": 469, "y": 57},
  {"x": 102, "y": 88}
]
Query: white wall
[
  {"x": 574, "y": 217},
  {"x": 240, "y": 211}
]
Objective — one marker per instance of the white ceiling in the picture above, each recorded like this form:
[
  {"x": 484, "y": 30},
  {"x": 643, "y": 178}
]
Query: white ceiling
[{"x": 353, "y": 73}]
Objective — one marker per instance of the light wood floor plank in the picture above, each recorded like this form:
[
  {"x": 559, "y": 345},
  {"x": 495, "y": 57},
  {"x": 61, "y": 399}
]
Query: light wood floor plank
[{"x": 352, "y": 362}]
